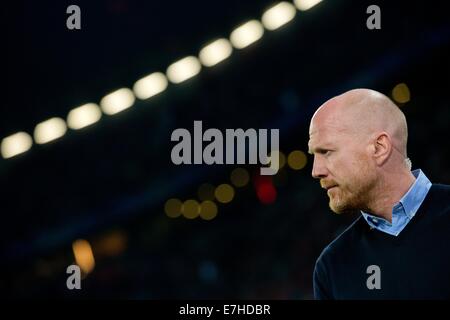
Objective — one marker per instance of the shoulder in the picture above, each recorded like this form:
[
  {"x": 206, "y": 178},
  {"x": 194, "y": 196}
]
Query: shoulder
[
  {"x": 441, "y": 190},
  {"x": 439, "y": 199}
]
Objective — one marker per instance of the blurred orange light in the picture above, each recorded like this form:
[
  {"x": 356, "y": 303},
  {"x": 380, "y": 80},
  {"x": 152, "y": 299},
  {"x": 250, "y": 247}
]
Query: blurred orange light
[{"x": 84, "y": 257}]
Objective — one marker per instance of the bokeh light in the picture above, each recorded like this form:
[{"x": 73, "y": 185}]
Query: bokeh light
[
  {"x": 224, "y": 193},
  {"x": 401, "y": 93},
  {"x": 84, "y": 257},
  {"x": 83, "y": 116},
  {"x": 49, "y": 130},
  {"x": 239, "y": 177},
  {"x": 117, "y": 101},
  {"x": 183, "y": 69},
  {"x": 173, "y": 208},
  {"x": 246, "y": 34},
  {"x": 297, "y": 160},
  {"x": 278, "y": 15},
  {"x": 190, "y": 209},
  {"x": 281, "y": 158},
  {"x": 150, "y": 85},
  {"x": 111, "y": 244},
  {"x": 15, "y": 144},
  {"x": 215, "y": 52},
  {"x": 265, "y": 189},
  {"x": 208, "y": 210},
  {"x": 304, "y": 5}
]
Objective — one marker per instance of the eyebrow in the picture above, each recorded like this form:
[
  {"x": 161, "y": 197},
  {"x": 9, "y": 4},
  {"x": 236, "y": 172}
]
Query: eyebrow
[
  {"x": 318, "y": 150},
  {"x": 325, "y": 145}
]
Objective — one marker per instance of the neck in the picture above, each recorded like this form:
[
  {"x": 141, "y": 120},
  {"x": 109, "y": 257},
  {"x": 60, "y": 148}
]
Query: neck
[{"x": 389, "y": 191}]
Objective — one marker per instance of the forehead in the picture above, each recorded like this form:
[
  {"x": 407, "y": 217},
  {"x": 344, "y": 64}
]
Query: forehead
[
  {"x": 324, "y": 126},
  {"x": 321, "y": 140},
  {"x": 325, "y": 133}
]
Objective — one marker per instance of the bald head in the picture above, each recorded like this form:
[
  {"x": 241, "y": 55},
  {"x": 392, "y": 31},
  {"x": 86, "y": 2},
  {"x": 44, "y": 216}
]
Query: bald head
[
  {"x": 361, "y": 113},
  {"x": 358, "y": 140}
]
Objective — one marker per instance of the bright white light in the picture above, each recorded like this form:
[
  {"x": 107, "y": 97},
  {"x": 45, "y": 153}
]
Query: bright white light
[
  {"x": 15, "y": 144},
  {"x": 246, "y": 34},
  {"x": 83, "y": 116},
  {"x": 278, "y": 15},
  {"x": 215, "y": 52},
  {"x": 304, "y": 5},
  {"x": 49, "y": 130},
  {"x": 150, "y": 85},
  {"x": 183, "y": 69},
  {"x": 117, "y": 101}
]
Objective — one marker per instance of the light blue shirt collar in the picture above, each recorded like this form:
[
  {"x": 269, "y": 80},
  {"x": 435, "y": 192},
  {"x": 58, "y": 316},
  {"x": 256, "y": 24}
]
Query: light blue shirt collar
[{"x": 405, "y": 209}]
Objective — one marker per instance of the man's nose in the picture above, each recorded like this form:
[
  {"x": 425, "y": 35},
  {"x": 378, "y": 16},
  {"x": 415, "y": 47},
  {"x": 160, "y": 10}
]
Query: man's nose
[{"x": 319, "y": 170}]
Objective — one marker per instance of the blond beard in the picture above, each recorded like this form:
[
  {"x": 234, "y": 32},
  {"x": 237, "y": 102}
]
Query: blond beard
[{"x": 343, "y": 200}]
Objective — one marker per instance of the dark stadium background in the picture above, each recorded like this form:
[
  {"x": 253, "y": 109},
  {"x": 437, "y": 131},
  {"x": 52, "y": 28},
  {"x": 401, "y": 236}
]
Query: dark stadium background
[{"x": 108, "y": 184}]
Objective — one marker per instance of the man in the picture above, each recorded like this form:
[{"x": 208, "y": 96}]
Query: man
[{"x": 399, "y": 247}]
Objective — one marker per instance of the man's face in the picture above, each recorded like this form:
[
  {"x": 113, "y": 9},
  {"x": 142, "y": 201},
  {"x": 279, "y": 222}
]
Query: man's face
[{"x": 342, "y": 163}]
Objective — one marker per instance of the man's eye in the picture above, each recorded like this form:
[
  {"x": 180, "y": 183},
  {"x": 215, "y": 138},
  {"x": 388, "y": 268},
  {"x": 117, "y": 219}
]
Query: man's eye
[{"x": 324, "y": 152}]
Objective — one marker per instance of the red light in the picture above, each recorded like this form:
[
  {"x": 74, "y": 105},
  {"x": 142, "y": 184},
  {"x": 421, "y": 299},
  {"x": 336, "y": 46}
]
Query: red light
[{"x": 265, "y": 190}]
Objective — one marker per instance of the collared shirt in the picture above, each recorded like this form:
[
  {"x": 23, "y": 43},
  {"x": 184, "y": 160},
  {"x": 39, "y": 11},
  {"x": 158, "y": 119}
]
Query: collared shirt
[{"x": 405, "y": 209}]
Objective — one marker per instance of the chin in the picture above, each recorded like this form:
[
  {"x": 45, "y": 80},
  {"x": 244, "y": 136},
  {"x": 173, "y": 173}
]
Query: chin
[
  {"x": 334, "y": 207},
  {"x": 336, "y": 210},
  {"x": 340, "y": 207},
  {"x": 342, "y": 210}
]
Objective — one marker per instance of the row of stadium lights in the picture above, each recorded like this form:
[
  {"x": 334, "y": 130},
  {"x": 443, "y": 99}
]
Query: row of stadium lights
[
  {"x": 121, "y": 99},
  {"x": 153, "y": 84},
  {"x": 182, "y": 70},
  {"x": 206, "y": 208}
]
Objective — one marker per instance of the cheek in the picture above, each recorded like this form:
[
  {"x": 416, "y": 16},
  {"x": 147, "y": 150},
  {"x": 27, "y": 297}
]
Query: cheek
[
  {"x": 362, "y": 170},
  {"x": 341, "y": 168},
  {"x": 362, "y": 164},
  {"x": 348, "y": 172}
]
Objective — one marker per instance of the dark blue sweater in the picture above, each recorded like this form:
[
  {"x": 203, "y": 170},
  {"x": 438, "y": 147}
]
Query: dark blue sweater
[{"x": 413, "y": 265}]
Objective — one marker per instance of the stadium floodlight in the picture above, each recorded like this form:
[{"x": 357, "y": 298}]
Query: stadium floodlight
[
  {"x": 246, "y": 34},
  {"x": 215, "y": 52},
  {"x": 49, "y": 130},
  {"x": 83, "y": 116},
  {"x": 278, "y": 15},
  {"x": 15, "y": 144},
  {"x": 183, "y": 69},
  {"x": 117, "y": 101},
  {"x": 150, "y": 85},
  {"x": 304, "y": 5}
]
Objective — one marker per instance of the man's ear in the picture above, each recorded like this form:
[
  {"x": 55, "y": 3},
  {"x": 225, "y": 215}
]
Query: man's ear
[{"x": 382, "y": 148}]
